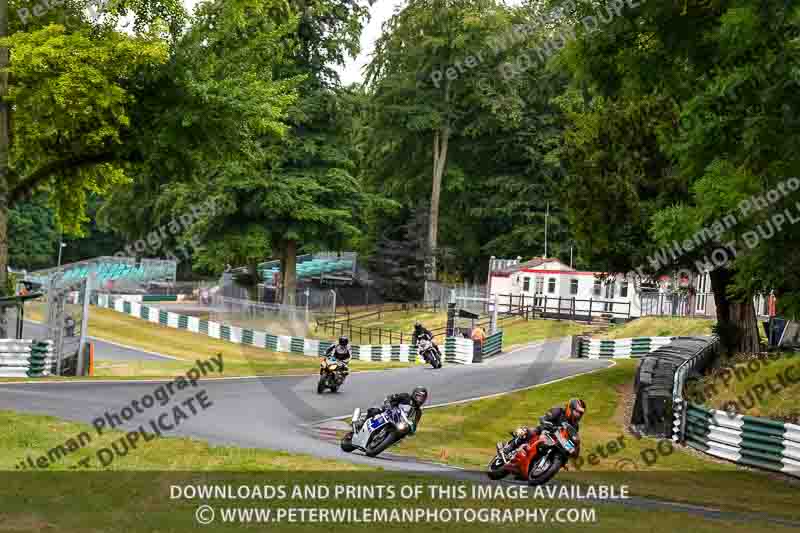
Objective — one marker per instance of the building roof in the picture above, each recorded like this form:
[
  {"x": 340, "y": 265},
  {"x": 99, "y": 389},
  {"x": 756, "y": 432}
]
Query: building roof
[{"x": 525, "y": 265}]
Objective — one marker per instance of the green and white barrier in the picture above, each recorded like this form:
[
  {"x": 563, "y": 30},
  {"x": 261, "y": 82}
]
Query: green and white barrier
[
  {"x": 250, "y": 337},
  {"x": 746, "y": 440},
  {"x": 621, "y": 348},
  {"x": 458, "y": 350},
  {"x": 493, "y": 344},
  {"x": 25, "y": 358}
]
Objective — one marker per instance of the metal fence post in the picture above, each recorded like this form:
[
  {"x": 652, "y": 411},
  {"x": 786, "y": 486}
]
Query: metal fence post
[
  {"x": 80, "y": 365},
  {"x": 493, "y": 323}
]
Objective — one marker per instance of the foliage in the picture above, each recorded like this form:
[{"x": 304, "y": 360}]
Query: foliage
[{"x": 34, "y": 239}]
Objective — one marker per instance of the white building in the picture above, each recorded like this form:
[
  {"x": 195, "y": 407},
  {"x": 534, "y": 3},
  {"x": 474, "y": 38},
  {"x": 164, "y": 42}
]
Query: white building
[{"x": 555, "y": 288}]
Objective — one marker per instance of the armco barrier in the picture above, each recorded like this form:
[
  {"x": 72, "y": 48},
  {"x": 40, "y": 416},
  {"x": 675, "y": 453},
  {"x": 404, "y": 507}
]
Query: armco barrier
[
  {"x": 620, "y": 348},
  {"x": 746, "y": 440},
  {"x": 658, "y": 375},
  {"x": 26, "y": 358}
]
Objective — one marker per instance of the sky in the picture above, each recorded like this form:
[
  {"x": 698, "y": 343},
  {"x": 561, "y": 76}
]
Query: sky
[
  {"x": 380, "y": 12},
  {"x": 351, "y": 72}
]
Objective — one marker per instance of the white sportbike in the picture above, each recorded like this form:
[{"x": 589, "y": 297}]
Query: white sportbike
[{"x": 375, "y": 434}]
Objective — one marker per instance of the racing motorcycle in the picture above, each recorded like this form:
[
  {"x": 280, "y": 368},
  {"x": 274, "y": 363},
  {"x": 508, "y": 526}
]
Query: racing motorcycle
[
  {"x": 538, "y": 460},
  {"x": 332, "y": 374},
  {"x": 373, "y": 435},
  {"x": 429, "y": 352}
]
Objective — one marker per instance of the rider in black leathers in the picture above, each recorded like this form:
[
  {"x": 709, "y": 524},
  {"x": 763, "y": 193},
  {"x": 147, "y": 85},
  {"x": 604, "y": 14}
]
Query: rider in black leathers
[
  {"x": 571, "y": 413},
  {"x": 416, "y": 399},
  {"x": 420, "y": 332},
  {"x": 341, "y": 352}
]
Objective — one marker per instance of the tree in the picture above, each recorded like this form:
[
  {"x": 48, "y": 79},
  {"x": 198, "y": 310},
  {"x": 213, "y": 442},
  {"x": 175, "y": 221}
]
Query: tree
[
  {"x": 422, "y": 105},
  {"x": 68, "y": 90},
  {"x": 657, "y": 151},
  {"x": 35, "y": 238}
]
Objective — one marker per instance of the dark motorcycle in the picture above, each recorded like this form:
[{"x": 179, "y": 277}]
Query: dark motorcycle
[
  {"x": 332, "y": 374},
  {"x": 429, "y": 352},
  {"x": 538, "y": 460}
]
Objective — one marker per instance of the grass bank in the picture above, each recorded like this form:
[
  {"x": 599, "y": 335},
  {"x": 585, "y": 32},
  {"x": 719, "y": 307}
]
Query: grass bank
[
  {"x": 766, "y": 386},
  {"x": 660, "y": 326},
  {"x": 516, "y": 331},
  {"x": 240, "y": 360},
  {"x": 139, "y": 494}
]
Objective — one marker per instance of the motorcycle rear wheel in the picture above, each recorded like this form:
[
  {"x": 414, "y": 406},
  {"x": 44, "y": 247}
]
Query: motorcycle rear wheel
[
  {"x": 347, "y": 443},
  {"x": 496, "y": 469},
  {"x": 545, "y": 475}
]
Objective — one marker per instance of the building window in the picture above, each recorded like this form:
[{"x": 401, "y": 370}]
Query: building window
[
  {"x": 526, "y": 285},
  {"x": 573, "y": 286},
  {"x": 623, "y": 289},
  {"x": 551, "y": 285},
  {"x": 597, "y": 288},
  {"x": 539, "y": 286}
]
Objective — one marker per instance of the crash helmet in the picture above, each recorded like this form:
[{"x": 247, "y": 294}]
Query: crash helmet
[
  {"x": 419, "y": 396},
  {"x": 343, "y": 340},
  {"x": 575, "y": 409}
]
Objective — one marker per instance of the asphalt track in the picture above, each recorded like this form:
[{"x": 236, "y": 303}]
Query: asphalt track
[
  {"x": 279, "y": 412},
  {"x": 103, "y": 349},
  {"x": 284, "y": 413}
]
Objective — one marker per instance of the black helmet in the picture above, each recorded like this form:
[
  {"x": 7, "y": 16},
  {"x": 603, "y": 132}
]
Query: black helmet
[
  {"x": 343, "y": 340},
  {"x": 575, "y": 409},
  {"x": 419, "y": 395}
]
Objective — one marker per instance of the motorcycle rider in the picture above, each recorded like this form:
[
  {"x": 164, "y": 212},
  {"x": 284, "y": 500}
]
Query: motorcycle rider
[
  {"x": 416, "y": 400},
  {"x": 421, "y": 332},
  {"x": 571, "y": 413},
  {"x": 341, "y": 352}
]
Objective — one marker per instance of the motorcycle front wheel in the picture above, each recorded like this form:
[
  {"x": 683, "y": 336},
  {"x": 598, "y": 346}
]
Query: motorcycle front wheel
[
  {"x": 542, "y": 472},
  {"x": 381, "y": 441},
  {"x": 496, "y": 469},
  {"x": 321, "y": 385}
]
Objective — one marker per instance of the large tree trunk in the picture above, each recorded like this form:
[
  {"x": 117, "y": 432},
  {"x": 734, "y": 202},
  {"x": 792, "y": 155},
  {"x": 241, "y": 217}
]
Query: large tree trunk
[
  {"x": 289, "y": 272},
  {"x": 440, "y": 142},
  {"x": 5, "y": 145},
  {"x": 737, "y": 324},
  {"x": 252, "y": 288}
]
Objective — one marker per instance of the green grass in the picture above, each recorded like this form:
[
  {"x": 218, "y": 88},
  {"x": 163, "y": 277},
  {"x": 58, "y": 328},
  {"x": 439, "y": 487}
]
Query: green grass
[
  {"x": 187, "y": 346},
  {"x": 516, "y": 331},
  {"x": 659, "y": 326},
  {"x": 770, "y": 384},
  {"x": 137, "y": 495},
  {"x": 465, "y": 435},
  {"x": 34, "y": 435}
]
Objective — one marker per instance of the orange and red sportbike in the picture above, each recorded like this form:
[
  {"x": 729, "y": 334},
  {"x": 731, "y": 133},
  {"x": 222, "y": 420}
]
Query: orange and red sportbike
[{"x": 539, "y": 459}]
